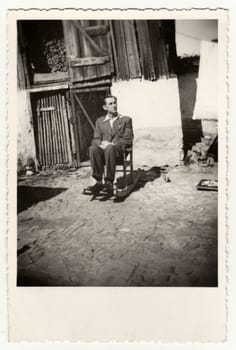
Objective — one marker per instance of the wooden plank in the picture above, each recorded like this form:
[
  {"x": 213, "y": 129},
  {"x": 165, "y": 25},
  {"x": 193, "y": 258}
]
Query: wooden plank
[
  {"x": 103, "y": 70},
  {"x": 62, "y": 128},
  {"x": 88, "y": 61},
  {"x": 54, "y": 131},
  {"x": 154, "y": 33},
  {"x": 48, "y": 130},
  {"x": 73, "y": 48},
  {"x": 165, "y": 69},
  {"x": 86, "y": 73},
  {"x": 160, "y": 60},
  {"x": 42, "y": 78},
  {"x": 132, "y": 49},
  {"x": 98, "y": 49},
  {"x": 71, "y": 39},
  {"x": 76, "y": 74},
  {"x": 23, "y": 55},
  {"x": 47, "y": 109},
  {"x": 168, "y": 30},
  {"x": 45, "y": 140},
  {"x": 66, "y": 129},
  {"x": 40, "y": 136},
  {"x": 49, "y": 87},
  {"x": 43, "y": 132},
  {"x": 50, "y": 109},
  {"x": 51, "y": 130},
  {"x": 75, "y": 126},
  {"x": 109, "y": 46},
  {"x": 21, "y": 83},
  {"x": 112, "y": 48},
  {"x": 102, "y": 41},
  {"x": 58, "y": 132},
  {"x": 70, "y": 122},
  {"x": 122, "y": 68},
  {"x": 91, "y": 89},
  {"x": 99, "y": 29},
  {"x": 63, "y": 156},
  {"x": 91, "y": 85},
  {"x": 89, "y": 72},
  {"x": 145, "y": 50},
  {"x": 43, "y": 137}
]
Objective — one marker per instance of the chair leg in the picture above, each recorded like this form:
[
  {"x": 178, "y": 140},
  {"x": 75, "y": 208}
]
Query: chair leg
[
  {"x": 125, "y": 172},
  {"x": 131, "y": 167}
]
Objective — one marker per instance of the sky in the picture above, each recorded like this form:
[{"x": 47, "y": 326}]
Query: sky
[{"x": 189, "y": 34}]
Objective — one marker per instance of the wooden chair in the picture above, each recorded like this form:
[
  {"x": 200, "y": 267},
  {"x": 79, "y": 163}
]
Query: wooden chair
[{"x": 124, "y": 185}]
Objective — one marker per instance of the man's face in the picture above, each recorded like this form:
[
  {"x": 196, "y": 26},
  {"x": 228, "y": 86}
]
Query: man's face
[{"x": 111, "y": 105}]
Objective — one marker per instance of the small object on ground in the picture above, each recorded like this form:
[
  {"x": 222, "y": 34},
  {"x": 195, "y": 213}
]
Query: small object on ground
[
  {"x": 167, "y": 179},
  {"x": 210, "y": 161},
  {"x": 208, "y": 185},
  {"x": 164, "y": 174},
  {"x": 124, "y": 229},
  {"x": 29, "y": 173}
]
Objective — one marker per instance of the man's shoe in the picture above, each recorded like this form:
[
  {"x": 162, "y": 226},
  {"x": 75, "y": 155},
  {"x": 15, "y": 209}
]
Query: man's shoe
[
  {"x": 95, "y": 189},
  {"x": 108, "y": 188}
]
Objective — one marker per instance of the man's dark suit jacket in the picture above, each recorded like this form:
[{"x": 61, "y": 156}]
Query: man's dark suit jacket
[{"x": 121, "y": 134}]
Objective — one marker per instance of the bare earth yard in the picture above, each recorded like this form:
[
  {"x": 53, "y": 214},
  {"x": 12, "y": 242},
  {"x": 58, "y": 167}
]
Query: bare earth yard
[{"x": 163, "y": 234}]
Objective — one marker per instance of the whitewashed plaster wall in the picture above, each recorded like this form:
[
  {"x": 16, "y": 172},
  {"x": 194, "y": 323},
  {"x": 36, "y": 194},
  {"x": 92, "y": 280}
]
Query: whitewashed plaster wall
[
  {"x": 25, "y": 137},
  {"x": 155, "y": 110},
  {"x": 150, "y": 104}
]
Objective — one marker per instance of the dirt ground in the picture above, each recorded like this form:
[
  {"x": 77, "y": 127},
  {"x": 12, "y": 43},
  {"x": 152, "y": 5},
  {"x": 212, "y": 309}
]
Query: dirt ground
[{"x": 163, "y": 234}]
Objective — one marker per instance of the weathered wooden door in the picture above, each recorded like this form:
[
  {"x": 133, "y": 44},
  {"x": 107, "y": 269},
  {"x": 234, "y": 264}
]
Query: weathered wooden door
[
  {"x": 52, "y": 128},
  {"x": 87, "y": 106},
  {"x": 89, "y": 53},
  {"x": 89, "y": 50}
]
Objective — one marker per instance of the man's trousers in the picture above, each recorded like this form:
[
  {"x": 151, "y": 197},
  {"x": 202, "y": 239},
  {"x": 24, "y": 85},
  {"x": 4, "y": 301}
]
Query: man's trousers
[{"x": 108, "y": 157}]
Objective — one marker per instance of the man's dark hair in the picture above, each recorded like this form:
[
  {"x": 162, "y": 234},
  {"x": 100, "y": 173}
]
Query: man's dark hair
[{"x": 109, "y": 96}]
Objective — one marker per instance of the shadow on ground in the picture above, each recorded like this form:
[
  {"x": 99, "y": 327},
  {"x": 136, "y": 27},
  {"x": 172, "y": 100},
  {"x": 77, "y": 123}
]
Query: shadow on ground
[
  {"x": 141, "y": 178},
  {"x": 41, "y": 280},
  {"x": 29, "y": 195}
]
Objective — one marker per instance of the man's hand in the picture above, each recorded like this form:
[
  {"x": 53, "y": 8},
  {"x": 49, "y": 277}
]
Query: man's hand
[{"x": 104, "y": 144}]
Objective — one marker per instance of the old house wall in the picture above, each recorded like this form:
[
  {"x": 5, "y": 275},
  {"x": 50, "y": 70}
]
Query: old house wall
[
  {"x": 155, "y": 110},
  {"x": 25, "y": 136}
]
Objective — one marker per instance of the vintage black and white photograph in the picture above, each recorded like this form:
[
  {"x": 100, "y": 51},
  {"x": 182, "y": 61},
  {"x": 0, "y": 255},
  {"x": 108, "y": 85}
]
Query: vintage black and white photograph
[{"x": 117, "y": 152}]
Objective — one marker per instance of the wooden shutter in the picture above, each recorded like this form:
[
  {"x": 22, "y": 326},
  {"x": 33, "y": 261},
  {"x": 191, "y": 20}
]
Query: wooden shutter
[
  {"x": 23, "y": 80},
  {"x": 152, "y": 48},
  {"x": 125, "y": 49},
  {"x": 88, "y": 49},
  {"x": 146, "y": 55}
]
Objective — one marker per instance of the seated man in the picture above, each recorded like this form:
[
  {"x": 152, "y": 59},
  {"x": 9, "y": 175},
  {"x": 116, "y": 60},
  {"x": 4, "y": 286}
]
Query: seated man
[{"x": 112, "y": 133}]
